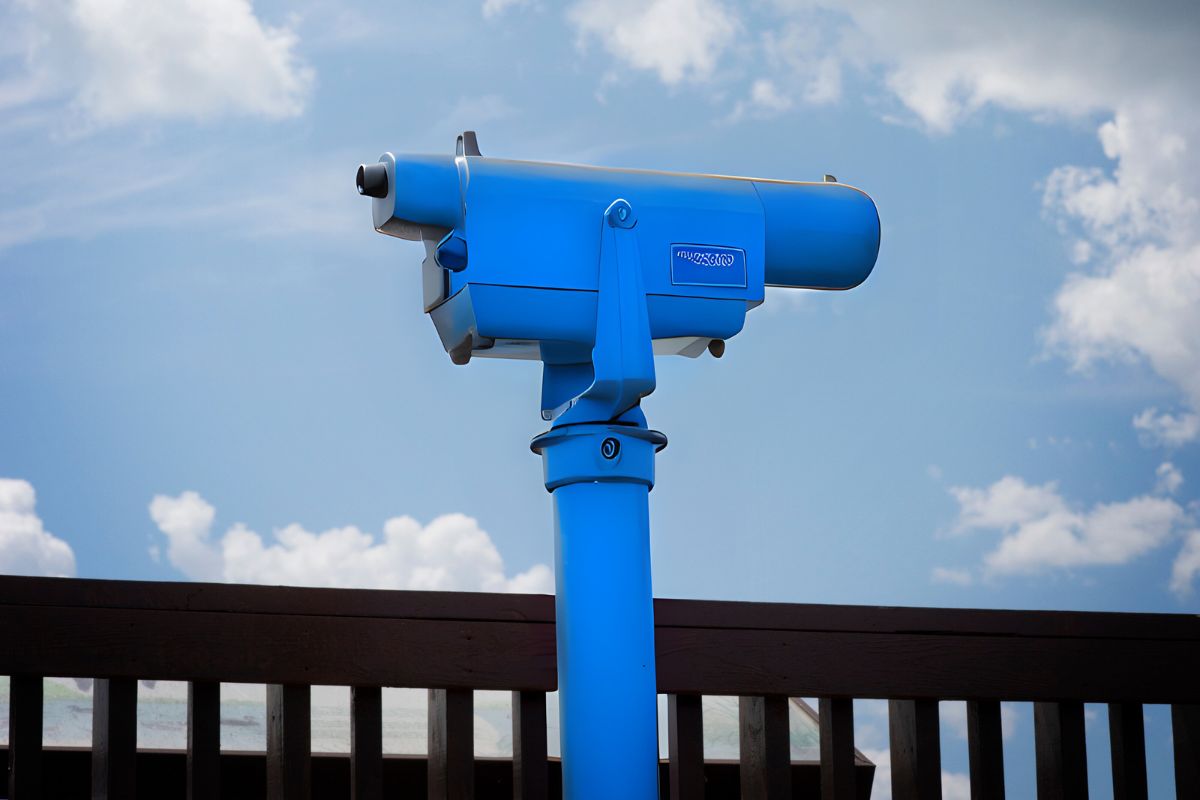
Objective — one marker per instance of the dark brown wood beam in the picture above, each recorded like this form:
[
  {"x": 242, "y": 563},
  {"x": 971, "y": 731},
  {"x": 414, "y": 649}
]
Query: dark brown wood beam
[
  {"x": 289, "y": 742},
  {"x": 204, "y": 741},
  {"x": 25, "y": 737},
  {"x": 114, "y": 739},
  {"x": 916, "y": 749},
  {"x": 451, "y": 744},
  {"x": 766, "y": 751}
]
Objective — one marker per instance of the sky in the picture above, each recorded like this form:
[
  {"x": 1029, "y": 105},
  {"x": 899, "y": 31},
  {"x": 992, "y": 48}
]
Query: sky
[{"x": 211, "y": 368}]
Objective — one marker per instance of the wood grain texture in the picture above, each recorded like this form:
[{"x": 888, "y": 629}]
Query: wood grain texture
[
  {"x": 289, "y": 742},
  {"x": 916, "y": 665},
  {"x": 289, "y": 601},
  {"x": 765, "y": 743},
  {"x": 685, "y": 745},
  {"x": 916, "y": 749},
  {"x": 278, "y": 648},
  {"x": 1127, "y": 741},
  {"x": 1061, "y": 751},
  {"x": 25, "y": 737},
  {"x": 366, "y": 743},
  {"x": 204, "y": 741},
  {"x": 114, "y": 739},
  {"x": 451, "y": 744},
  {"x": 836, "y": 718},
  {"x": 531, "y": 771},
  {"x": 129, "y": 629},
  {"x": 985, "y": 749}
]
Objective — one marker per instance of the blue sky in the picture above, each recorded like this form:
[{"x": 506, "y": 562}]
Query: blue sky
[{"x": 194, "y": 308}]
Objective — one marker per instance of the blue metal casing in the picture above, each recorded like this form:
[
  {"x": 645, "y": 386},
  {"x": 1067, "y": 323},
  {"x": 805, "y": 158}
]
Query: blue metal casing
[
  {"x": 594, "y": 271},
  {"x": 529, "y": 232}
]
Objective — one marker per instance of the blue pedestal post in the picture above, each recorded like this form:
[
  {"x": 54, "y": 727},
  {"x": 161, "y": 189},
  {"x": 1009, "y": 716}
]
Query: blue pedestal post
[{"x": 600, "y": 476}]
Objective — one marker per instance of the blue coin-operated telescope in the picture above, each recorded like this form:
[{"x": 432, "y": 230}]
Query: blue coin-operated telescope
[{"x": 594, "y": 271}]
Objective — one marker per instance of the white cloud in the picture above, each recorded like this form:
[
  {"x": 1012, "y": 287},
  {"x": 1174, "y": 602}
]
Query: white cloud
[
  {"x": 121, "y": 59},
  {"x": 951, "y": 575},
  {"x": 677, "y": 39},
  {"x": 1167, "y": 430},
  {"x": 797, "y": 51},
  {"x": 494, "y": 8},
  {"x": 1187, "y": 565},
  {"x": 1133, "y": 222},
  {"x": 450, "y": 553},
  {"x": 26, "y": 547},
  {"x": 186, "y": 520},
  {"x": 1169, "y": 478},
  {"x": 1137, "y": 290},
  {"x": 1040, "y": 531}
]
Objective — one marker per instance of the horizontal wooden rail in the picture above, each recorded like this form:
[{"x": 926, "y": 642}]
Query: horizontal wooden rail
[{"x": 260, "y": 634}]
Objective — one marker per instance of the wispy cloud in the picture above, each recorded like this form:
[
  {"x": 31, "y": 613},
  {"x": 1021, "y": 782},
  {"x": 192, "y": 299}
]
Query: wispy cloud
[
  {"x": 118, "y": 60},
  {"x": 678, "y": 40}
]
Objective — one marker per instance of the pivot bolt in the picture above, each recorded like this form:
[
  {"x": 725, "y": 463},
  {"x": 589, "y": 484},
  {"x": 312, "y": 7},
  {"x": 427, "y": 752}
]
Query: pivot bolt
[{"x": 610, "y": 448}]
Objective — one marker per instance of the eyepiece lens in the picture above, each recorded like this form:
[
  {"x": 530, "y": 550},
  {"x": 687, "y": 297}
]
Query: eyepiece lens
[{"x": 372, "y": 180}]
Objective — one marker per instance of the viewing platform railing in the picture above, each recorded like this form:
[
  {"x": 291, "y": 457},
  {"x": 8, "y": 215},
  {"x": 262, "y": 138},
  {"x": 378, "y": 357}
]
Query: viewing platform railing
[{"x": 118, "y": 632}]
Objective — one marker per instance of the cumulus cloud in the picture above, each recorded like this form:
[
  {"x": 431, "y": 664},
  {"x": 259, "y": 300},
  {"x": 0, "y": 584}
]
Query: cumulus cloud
[
  {"x": 676, "y": 39},
  {"x": 450, "y": 553},
  {"x": 120, "y": 59},
  {"x": 1040, "y": 530},
  {"x": 1137, "y": 221},
  {"x": 26, "y": 547},
  {"x": 187, "y": 520}
]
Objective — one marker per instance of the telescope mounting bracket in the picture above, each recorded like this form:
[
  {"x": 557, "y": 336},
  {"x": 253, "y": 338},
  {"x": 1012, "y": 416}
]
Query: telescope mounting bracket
[{"x": 622, "y": 368}]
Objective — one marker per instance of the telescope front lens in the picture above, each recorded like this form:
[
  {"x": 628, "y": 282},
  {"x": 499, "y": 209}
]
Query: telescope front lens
[{"x": 372, "y": 180}]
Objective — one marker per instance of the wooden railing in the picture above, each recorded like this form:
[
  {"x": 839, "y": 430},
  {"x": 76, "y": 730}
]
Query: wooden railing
[{"x": 452, "y": 643}]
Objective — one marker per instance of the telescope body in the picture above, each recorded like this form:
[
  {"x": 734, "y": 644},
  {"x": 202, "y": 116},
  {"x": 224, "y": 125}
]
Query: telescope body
[
  {"x": 593, "y": 271},
  {"x": 512, "y": 263}
]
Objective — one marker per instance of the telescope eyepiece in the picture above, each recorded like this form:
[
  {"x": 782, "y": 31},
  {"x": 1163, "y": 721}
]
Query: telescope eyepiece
[{"x": 372, "y": 180}]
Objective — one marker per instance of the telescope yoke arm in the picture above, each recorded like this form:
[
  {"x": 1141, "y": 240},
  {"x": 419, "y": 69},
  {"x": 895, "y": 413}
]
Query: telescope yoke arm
[{"x": 623, "y": 356}]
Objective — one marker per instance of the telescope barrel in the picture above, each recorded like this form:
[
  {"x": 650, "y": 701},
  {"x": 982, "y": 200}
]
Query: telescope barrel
[{"x": 818, "y": 235}]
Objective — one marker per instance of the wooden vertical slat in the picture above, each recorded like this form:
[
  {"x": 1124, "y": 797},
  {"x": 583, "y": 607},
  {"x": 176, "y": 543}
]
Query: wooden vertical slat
[
  {"x": 204, "y": 740},
  {"x": 451, "y": 744},
  {"x": 114, "y": 739},
  {"x": 1185, "y": 727},
  {"x": 25, "y": 737},
  {"x": 985, "y": 749},
  {"x": 765, "y": 747},
  {"x": 1061, "y": 749},
  {"x": 916, "y": 749},
  {"x": 366, "y": 743},
  {"x": 1127, "y": 739},
  {"x": 685, "y": 744},
  {"x": 836, "y": 720},
  {"x": 289, "y": 742},
  {"x": 836, "y": 716},
  {"x": 531, "y": 780}
]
